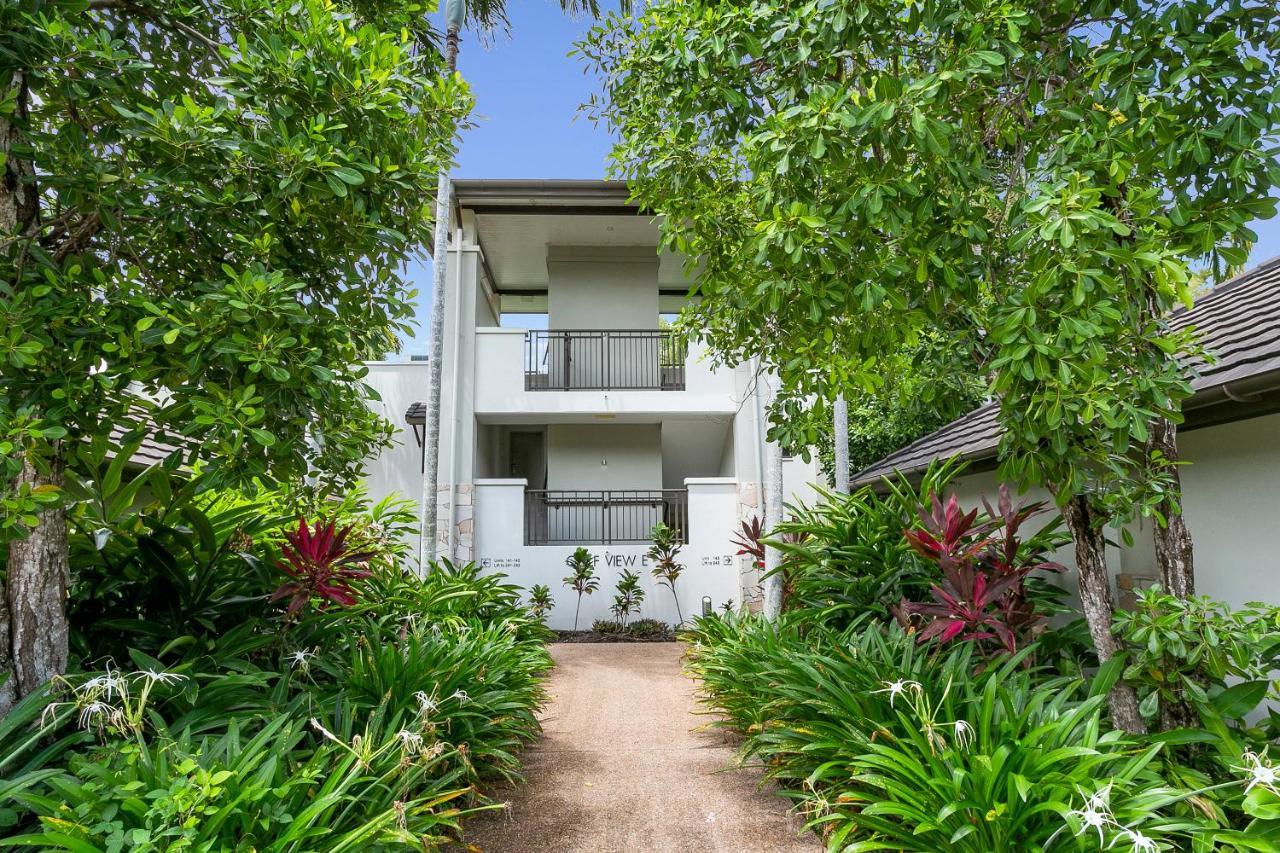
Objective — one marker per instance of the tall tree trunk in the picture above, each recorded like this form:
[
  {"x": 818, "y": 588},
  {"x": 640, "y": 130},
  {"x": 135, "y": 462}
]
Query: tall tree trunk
[
  {"x": 8, "y": 685},
  {"x": 33, "y": 622},
  {"x": 773, "y": 580},
  {"x": 1095, "y": 600},
  {"x": 427, "y": 550},
  {"x": 840, "y": 444},
  {"x": 1174, "y": 552},
  {"x": 38, "y": 576}
]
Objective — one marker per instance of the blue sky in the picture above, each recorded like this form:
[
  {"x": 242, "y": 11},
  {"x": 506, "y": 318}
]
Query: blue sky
[{"x": 527, "y": 93}]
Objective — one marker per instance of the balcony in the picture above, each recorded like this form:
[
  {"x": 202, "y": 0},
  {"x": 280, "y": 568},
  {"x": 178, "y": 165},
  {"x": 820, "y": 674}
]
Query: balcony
[
  {"x": 602, "y": 518},
  {"x": 604, "y": 360},
  {"x": 542, "y": 375}
]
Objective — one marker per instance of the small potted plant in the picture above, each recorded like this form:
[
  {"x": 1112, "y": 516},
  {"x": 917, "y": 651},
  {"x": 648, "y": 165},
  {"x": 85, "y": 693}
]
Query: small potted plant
[
  {"x": 629, "y": 595},
  {"x": 581, "y": 578},
  {"x": 540, "y": 600},
  {"x": 664, "y": 550}
]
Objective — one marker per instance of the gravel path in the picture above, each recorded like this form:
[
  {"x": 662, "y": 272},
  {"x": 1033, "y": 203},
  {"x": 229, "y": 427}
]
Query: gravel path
[{"x": 624, "y": 766}]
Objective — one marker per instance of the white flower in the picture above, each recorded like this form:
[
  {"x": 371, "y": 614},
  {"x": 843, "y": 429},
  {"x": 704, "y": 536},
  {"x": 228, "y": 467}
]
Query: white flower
[
  {"x": 963, "y": 734},
  {"x": 163, "y": 677},
  {"x": 1095, "y": 814},
  {"x": 1259, "y": 772},
  {"x": 897, "y": 688},
  {"x": 110, "y": 684},
  {"x": 461, "y": 696},
  {"x": 410, "y": 741},
  {"x": 300, "y": 659},
  {"x": 1140, "y": 842},
  {"x": 315, "y": 724},
  {"x": 99, "y": 714},
  {"x": 426, "y": 704}
]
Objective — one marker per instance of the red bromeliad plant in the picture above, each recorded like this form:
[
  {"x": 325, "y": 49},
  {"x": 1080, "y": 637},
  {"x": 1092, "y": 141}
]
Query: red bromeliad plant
[
  {"x": 321, "y": 566},
  {"x": 748, "y": 540},
  {"x": 984, "y": 565}
]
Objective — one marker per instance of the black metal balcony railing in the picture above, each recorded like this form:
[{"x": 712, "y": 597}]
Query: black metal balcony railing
[
  {"x": 604, "y": 360},
  {"x": 602, "y": 518}
]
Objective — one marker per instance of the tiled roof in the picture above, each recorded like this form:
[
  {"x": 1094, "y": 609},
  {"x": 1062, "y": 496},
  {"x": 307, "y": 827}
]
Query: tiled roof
[
  {"x": 150, "y": 452},
  {"x": 1238, "y": 322}
]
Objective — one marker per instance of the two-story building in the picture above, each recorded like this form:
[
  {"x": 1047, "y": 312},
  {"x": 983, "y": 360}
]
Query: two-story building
[{"x": 570, "y": 415}]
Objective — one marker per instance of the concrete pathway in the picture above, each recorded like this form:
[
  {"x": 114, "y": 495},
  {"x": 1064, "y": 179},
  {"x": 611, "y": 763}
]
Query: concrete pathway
[{"x": 621, "y": 769}]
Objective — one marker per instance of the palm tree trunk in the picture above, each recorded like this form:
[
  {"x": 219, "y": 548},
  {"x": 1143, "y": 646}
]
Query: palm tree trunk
[
  {"x": 427, "y": 547},
  {"x": 1095, "y": 601},
  {"x": 840, "y": 444},
  {"x": 772, "y": 510}
]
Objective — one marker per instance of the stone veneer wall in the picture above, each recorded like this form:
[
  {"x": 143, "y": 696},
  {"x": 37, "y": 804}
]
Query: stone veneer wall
[
  {"x": 461, "y": 525},
  {"x": 750, "y": 506}
]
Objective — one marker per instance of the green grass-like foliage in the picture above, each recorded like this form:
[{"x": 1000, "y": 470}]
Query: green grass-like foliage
[
  {"x": 374, "y": 725},
  {"x": 883, "y": 745}
]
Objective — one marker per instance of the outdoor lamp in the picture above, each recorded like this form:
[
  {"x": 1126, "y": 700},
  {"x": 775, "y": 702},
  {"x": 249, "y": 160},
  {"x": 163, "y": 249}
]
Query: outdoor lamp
[{"x": 706, "y": 605}]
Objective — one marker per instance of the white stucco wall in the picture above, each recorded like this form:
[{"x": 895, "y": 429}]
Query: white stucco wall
[
  {"x": 1231, "y": 492},
  {"x": 398, "y": 469},
  {"x": 604, "y": 456},
  {"x": 594, "y": 287},
  {"x": 711, "y": 567}
]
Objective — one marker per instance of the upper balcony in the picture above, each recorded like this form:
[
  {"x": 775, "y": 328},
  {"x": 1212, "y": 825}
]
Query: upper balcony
[
  {"x": 596, "y": 371},
  {"x": 604, "y": 360}
]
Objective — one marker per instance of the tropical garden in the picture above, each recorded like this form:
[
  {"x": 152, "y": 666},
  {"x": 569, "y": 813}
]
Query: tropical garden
[{"x": 894, "y": 209}]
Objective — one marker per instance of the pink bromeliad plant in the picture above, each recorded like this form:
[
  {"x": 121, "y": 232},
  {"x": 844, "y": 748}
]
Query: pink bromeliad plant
[
  {"x": 320, "y": 565},
  {"x": 984, "y": 563}
]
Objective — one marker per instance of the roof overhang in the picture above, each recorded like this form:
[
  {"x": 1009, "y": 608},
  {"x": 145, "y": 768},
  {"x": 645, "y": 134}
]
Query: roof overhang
[{"x": 516, "y": 222}]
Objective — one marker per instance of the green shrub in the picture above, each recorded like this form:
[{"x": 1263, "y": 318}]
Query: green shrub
[
  {"x": 218, "y": 724},
  {"x": 845, "y": 556},
  {"x": 649, "y": 628},
  {"x": 883, "y": 745},
  {"x": 283, "y": 787}
]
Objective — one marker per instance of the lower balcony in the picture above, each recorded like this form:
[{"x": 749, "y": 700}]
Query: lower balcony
[
  {"x": 576, "y": 517},
  {"x": 528, "y": 534}
]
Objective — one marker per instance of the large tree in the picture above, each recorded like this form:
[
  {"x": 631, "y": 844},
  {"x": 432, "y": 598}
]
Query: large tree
[
  {"x": 204, "y": 210},
  {"x": 853, "y": 173}
]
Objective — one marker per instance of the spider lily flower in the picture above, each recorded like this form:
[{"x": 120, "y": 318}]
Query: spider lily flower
[
  {"x": 899, "y": 687},
  {"x": 426, "y": 704},
  {"x": 1139, "y": 842},
  {"x": 964, "y": 735},
  {"x": 1259, "y": 772},
  {"x": 300, "y": 659},
  {"x": 410, "y": 741},
  {"x": 1095, "y": 814},
  {"x": 111, "y": 685},
  {"x": 325, "y": 733},
  {"x": 461, "y": 696},
  {"x": 152, "y": 677},
  {"x": 98, "y": 713}
]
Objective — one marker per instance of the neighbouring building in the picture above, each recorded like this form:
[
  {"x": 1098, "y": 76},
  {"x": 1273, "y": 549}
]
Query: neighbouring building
[
  {"x": 570, "y": 416},
  {"x": 1230, "y": 442}
]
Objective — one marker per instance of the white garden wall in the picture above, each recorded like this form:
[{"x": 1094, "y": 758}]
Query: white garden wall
[{"x": 712, "y": 568}]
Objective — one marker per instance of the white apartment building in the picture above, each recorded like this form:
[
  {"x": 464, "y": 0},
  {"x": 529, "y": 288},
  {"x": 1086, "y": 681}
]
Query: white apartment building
[{"x": 570, "y": 416}]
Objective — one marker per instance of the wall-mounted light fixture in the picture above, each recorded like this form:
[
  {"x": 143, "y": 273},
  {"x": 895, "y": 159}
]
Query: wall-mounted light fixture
[{"x": 706, "y": 605}]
